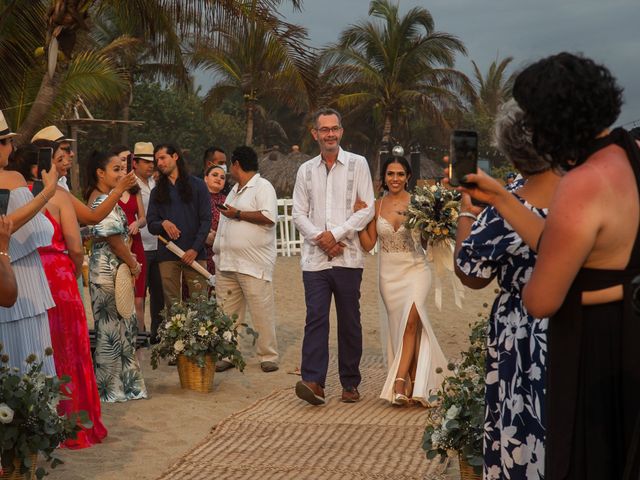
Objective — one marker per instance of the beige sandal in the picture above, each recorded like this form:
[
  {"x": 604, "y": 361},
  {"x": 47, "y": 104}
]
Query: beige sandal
[{"x": 399, "y": 399}]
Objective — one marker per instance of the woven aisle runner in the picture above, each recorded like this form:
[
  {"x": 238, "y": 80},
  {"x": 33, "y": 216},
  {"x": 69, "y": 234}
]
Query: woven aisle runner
[{"x": 282, "y": 437}]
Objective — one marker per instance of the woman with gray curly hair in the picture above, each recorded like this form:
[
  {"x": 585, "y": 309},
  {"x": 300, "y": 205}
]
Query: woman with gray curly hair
[{"x": 487, "y": 247}]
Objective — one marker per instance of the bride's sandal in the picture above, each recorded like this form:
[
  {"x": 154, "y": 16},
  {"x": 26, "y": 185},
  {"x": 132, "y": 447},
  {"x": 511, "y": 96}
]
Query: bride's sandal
[{"x": 399, "y": 399}]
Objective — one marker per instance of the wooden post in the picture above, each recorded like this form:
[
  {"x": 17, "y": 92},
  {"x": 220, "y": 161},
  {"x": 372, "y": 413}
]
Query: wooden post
[{"x": 75, "y": 168}]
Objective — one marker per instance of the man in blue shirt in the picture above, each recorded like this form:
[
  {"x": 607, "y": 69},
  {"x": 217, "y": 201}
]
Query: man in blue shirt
[{"x": 179, "y": 210}]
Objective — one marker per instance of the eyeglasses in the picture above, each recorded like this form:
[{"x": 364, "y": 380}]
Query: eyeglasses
[{"x": 325, "y": 130}]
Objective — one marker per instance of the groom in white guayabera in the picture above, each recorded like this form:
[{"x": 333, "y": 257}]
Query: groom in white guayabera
[{"x": 326, "y": 189}]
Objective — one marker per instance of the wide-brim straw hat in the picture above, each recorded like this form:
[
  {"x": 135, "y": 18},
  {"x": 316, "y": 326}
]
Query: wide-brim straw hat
[
  {"x": 124, "y": 291},
  {"x": 51, "y": 133},
  {"x": 143, "y": 150},
  {"x": 5, "y": 131}
]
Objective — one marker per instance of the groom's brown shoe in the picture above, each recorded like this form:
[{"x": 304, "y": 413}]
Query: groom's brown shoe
[
  {"x": 350, "y": 395},
  {"x": 310, "y": 392}
]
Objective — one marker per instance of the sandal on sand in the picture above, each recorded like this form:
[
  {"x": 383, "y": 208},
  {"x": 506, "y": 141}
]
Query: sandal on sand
[{"x": 399, "y": 399}]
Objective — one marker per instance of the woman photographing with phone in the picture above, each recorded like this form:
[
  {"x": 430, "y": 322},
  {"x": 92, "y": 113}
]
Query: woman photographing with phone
[
  {"x": 588, "y": 255},
  {"x": 24, "y": 326},
  {"x": 118, "y": 372}
]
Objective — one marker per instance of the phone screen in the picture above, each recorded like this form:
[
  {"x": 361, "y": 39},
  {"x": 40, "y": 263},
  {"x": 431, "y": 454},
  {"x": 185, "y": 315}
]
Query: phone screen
[
  {"x": 464, "y": 155},
  {"x": 221, "y": 206},
  {"x": 45, "y": 155},
  {"x": 4, "y": 200}
]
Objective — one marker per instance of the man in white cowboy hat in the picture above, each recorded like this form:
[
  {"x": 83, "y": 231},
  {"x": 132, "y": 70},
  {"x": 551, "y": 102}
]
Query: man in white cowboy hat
[
  {"x": 143, "y": 165},
  {"x": 53, "y": 133}
]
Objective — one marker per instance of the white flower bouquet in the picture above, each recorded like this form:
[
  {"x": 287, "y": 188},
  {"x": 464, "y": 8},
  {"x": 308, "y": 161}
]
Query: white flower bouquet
[
  {"x": 457, "y": 422},
  {"x": 433, "y": 210},
  {"x": 30, "y": 423},
  {"x": 196, "y": 328}
]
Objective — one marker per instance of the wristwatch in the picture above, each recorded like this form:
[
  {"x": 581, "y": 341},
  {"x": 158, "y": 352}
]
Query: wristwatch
[{"x": 237, "y": 215}]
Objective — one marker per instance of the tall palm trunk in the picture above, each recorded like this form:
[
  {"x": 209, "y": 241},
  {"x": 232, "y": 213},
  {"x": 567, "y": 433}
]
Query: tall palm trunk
[
  {"x": 386, "y": 140},
  {"x": 125, "y": 113},
  {"x": 39, "y": 110},
  {"x": 250, "y": 119}
]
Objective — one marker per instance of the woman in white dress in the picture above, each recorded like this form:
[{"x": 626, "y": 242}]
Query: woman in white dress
[{"x": 413, "y": 352}]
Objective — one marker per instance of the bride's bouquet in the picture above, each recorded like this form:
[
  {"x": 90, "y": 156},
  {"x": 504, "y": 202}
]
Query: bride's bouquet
[{"x": 433, "y": 211}]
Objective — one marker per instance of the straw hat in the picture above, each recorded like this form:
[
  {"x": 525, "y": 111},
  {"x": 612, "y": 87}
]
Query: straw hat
[
  {"x": 143, "y": 150},
  {"x": 51, "y": 133},
  {"x": 124, "y": 292},
  {"x": 5, "y": 131}
]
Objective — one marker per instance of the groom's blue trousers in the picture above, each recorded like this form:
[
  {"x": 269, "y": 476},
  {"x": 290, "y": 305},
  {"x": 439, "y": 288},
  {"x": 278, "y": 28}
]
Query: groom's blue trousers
[{"x": 344, "y": 285}]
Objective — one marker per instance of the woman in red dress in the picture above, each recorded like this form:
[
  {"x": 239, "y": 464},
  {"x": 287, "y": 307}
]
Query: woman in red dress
[
  {"x": 131, "y": 203},
  {"x": 67, "y": 320}
]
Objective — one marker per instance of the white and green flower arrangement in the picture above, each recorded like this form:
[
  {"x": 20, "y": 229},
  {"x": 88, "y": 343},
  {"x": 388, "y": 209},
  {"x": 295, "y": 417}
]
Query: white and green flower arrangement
[
  {"x": 433, "y": 211},
  {"x": 29, "y": 420},
  {"x": 197, "y": 328},
  {"x": 457, "y": 421}
]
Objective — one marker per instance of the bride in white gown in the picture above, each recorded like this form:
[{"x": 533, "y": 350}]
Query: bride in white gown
[{"x": 413, "y": 352}]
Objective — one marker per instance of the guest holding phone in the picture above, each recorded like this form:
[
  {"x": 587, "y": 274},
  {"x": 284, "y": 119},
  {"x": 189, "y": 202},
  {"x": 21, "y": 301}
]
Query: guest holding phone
[
  {"x": 215, "y": 178},
  {"x": 62, "y": 261},
  {"x": 24, "y": 327},
  {"x": 118, "y": 372},
  {"x": 133, "y": 207}
]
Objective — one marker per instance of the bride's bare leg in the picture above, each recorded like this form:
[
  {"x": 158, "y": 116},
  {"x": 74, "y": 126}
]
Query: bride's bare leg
[{"x": 408, "y": 351}]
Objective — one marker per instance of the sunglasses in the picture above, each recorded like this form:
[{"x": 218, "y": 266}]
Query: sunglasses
[{"x": 66, "y": 149}]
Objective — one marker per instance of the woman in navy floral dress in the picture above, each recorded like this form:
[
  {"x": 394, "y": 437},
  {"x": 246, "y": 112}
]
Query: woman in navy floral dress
[{"x": 517, "y": 343}]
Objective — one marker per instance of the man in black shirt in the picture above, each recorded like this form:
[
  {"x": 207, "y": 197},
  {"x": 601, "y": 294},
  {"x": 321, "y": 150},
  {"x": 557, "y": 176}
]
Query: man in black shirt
[{"x": 179, "y": 210}]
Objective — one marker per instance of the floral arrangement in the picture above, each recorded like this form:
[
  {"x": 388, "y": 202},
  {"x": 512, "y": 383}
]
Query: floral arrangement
[
  {"x": 433, "y": 210},
  {"x": 29, "y": 420},
  {"x": 196, "y": 328},
  {"x": 457, "y": 422}
]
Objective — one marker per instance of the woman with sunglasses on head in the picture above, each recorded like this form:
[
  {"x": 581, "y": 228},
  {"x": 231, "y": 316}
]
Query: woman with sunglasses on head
[
  {"x": 24, "y": 326},
  {"x": 62, "y": 261},
  {"x": 118, "y": 371}
]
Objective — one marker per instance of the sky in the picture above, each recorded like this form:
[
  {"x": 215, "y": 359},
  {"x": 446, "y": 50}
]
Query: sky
[{"x": 527, "y": 30}]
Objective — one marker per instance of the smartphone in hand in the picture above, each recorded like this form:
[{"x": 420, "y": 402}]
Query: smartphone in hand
[
  {"x": 222, "y": 206},
  {"x": 129, "y": 162},
  {"x": 45, "y": 155},
  {"x": 4, "y": 200},
  {"x": 463, "y": 158}
]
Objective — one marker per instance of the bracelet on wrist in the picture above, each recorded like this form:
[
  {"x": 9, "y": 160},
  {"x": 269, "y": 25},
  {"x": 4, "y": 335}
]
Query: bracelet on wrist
[
  {"x": 6, "y": 254},
  {"x": 468, "y": 215},
  {"x": 237, "y": 215}
]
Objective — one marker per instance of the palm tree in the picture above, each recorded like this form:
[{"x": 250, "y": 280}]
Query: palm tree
[
  {"x": 494, "y": 88},
  {"x": 398, "y": 68},
  {"x": 62, "y": 27},
  {"x": 253, "y": 61}
]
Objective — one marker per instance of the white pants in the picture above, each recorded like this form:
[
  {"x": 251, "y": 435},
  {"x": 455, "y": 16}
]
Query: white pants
[{"x": 236, "y": 292}]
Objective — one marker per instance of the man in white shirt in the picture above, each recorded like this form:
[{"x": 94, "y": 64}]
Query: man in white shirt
[
  {"x": 245, "y": 254},
  {"x": 143, "y": 166},
  {"x": 326, "y": 189}
]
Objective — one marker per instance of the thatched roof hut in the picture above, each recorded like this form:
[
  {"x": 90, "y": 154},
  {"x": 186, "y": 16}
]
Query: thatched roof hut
[{"x": 281, "y": 170}]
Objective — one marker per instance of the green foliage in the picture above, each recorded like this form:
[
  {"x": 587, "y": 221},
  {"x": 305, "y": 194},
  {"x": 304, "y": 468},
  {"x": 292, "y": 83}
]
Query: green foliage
[
  {"x": 29, "y": 417},
  {"x": 169, "y": 115},
  {"x": 197, "y": 328},
  {"x": 457, "y": 423}
]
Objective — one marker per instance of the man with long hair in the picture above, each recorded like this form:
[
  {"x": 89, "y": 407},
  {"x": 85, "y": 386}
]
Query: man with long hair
[{"x": 179, "y": 210}]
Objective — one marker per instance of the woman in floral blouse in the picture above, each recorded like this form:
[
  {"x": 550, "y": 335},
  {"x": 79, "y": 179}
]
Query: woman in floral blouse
[
  {"x": 514, "y": 435},
  {"x": 117, "y": 369}
]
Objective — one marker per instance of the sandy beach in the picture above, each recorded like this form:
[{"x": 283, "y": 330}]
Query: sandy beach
[{"x": 147, "y": 436}]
